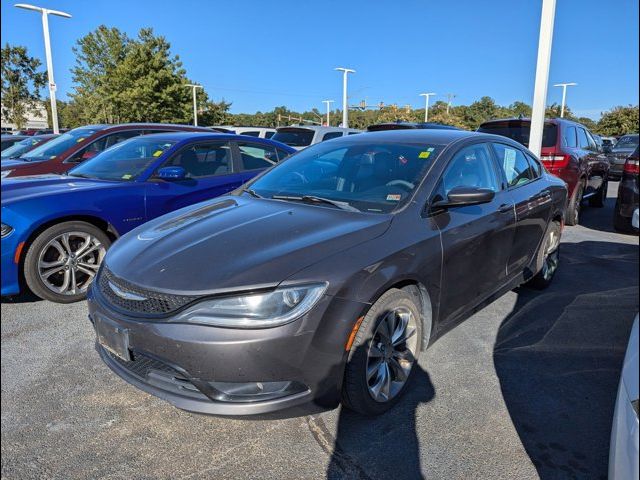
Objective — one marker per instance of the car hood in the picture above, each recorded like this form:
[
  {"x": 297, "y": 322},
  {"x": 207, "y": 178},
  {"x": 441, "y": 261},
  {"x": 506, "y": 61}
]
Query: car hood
[
  {"x": 29, "y": 187},
  {"x": 236, "y": 243}
]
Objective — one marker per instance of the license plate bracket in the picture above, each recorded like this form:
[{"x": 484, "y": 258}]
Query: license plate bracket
[{"x": 113, "y": 337}]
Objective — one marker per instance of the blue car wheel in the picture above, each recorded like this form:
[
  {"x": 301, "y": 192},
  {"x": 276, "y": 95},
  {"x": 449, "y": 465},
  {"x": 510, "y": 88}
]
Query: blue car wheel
[{"x": 62, "y": 261}]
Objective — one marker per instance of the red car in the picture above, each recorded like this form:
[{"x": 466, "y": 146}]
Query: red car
[
  {"x": 569, "y": 152},
  {"x": 66, "y": 151}
]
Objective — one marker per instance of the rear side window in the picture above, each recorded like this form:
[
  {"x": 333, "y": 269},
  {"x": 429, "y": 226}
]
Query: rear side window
[
  {"x": 255, "y": 156},
  {"x": 330, "y": 135},
  {"x": 569, "y": 138},
  {"x": 583, "y": 140},
  {"x": 515, "y": 165},
  {"x": 519, "y": 130},
  {"x": 252, "y": 133},
  {"x": 204, "y": 160}
]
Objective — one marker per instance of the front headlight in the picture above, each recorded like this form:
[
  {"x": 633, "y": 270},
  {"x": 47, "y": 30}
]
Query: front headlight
[
  {"x": 6, "y": 230},
  {"x": 259, "y": 310},
  {"x": 5, "y": 173}
]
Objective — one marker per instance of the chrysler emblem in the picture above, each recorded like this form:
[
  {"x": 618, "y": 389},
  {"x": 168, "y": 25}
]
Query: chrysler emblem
[{"x": 126, "y": 295}]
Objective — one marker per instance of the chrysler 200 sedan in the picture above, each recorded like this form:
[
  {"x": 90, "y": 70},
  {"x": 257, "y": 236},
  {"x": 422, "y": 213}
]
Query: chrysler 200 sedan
[{"x": 321, "y": 280}]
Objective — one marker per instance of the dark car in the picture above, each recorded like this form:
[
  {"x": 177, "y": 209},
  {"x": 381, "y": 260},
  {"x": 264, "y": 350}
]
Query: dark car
[
  {"x": 323, "y": 279},
  {"x": 56, "y": 228},
  {"x": 569, "y": 152},
  {"x": 627, "y": 202},
  {"x": 409, "y": 125},
  {"x": 25, "y": 145},
  {"x": 624, "y": 147},
  {"x": 75, "y": 146},
  {"x": 7, "y": 141}
]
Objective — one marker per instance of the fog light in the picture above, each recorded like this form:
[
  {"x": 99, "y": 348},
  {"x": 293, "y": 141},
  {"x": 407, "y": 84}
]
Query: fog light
[{"x": 253, "y": 391}]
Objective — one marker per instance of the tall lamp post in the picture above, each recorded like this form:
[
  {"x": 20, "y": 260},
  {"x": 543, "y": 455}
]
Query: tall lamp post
[
  {"x": 328, "y": 103},
  {"x": 345, "y": 107},
  {"x": 195, "y": 102},
  {"x": 47, "y": 49},
  {"x": 564, "y": 94},
  {"x": 426, "y": 106}
]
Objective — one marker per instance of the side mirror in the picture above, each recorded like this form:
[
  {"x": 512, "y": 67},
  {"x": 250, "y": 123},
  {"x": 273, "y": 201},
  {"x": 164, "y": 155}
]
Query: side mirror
[
  {"x": 462, "y": 196},
  {"x": 172, "y": 173}
]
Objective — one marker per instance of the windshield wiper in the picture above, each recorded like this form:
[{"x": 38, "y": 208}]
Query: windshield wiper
[
  {"x": 314, "y": 199},
  {"x": 79, "y": 175},
  {"x": 252, "y": 192}
]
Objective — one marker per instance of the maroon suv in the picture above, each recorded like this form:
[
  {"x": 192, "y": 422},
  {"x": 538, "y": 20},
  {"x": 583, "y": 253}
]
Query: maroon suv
[
  {"x": 569, "y": 152},
  {"x": 66, "y": 151}
]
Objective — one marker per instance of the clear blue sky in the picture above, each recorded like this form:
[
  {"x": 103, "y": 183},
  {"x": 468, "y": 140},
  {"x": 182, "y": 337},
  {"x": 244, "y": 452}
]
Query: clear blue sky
[{"x": 261, "y": 54}]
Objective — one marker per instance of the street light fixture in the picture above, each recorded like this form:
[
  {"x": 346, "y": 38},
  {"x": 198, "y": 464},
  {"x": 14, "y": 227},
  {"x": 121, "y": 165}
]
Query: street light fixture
[
  {"x": 564, "y": 94},
  {"x": 195, "y": 102},
  {"x": 345, "y": 108},
  {"x": 328, "y": 103},
  {"x": 426, "y": 107},
  {"x": 47, "y": 49}
]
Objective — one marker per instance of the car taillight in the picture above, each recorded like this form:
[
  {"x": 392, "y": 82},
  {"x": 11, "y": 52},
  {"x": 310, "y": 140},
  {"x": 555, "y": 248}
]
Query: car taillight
[
  {"x": 632, "y": 166},
  {"x": 554, "y": 160}
]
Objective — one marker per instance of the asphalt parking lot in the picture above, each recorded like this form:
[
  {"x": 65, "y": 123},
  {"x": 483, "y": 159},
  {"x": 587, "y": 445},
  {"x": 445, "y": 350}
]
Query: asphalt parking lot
[{"x": 524, "y": 389}]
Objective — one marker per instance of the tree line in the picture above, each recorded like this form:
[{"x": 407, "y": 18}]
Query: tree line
[{"x": 118, "y": 79}]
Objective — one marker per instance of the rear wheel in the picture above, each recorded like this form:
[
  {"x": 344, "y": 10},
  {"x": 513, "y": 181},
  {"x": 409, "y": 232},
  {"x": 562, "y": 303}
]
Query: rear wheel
[
  {"x": 599, "y": 199},
  {"x": 383, "y": 354},
  {"x": 62, "y": 261},
  {"x": 549, "y": 254},
  {"x": 575, "y": 205}
]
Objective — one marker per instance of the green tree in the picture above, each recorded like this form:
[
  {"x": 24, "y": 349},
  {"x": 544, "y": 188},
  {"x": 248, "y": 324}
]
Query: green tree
[
  {"x": 21, "y": 84},
  {"x": 619, "y": 121}
]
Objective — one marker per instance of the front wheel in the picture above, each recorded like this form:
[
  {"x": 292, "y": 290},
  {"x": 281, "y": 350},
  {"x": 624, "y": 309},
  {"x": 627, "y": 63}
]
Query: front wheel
[
  {"x": 384, "y": 353},
  {"x": 550, "y": 253},
  {"x": 62, "y": 261},
  {"x": 575, "y": 204}
]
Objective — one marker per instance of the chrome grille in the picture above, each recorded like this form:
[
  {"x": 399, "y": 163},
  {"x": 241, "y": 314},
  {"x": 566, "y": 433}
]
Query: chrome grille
[{"x": 141, "y": 301}]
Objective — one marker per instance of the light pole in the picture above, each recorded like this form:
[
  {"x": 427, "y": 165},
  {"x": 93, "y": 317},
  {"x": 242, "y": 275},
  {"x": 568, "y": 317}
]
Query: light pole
[
  {"x": 47, "y": 49},
  {"x": 328, "y": 103},
  {"x": 450, "y": 97},
  {"x": 564, "y": 94},
  {"x": 542, "y": 75},
  {"x": 426, "y": 106},
  {"x": 345, "y": 108},
  {"x": 195, "y": 102}
]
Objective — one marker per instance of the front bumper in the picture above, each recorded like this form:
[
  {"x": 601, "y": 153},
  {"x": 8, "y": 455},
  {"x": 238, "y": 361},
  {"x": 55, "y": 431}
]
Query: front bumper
[
  {"x": 10, "y": 280},
  {"x": 186, "y": 364},
  {"x": 623, "y": 454}
]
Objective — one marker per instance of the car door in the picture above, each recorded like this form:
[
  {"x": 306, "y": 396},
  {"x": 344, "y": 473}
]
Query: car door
[
  {"x": 476, "y": 239},
  {"x": 209, "y": 173},
  {"x": 533, "y": 203},
  {"x": 253, "y": 158},
  {"x": 588, "y": 161}
]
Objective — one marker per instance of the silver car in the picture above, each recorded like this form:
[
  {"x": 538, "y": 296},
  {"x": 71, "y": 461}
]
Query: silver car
[{"x": 302, "y": 136}]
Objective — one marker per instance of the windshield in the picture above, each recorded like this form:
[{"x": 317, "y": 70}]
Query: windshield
[
  {"x": 60, "y": 144},
  {"x": 519, "y": 130},
  {"x": 295, "y": 137},
  {"x": 22, "y": 146},
  {"x": 124, "y": 161},
  {"x": 628, "y": 142},
  {"x": 373, "y": 177}
]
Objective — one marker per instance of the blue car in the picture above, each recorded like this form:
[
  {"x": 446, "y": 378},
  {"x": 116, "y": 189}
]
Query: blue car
[{"x": 56, "y": 229}]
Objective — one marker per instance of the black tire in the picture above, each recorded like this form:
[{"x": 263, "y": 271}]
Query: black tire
[
  {"x": 575, "y": 205},
  {"x": 355, "y": 390},
  {"x": 549, "y": 260},
  {"x": 600, "y": 198},
  {"x": 620, "y": 223},
  {"x": 35, "y": 249}
]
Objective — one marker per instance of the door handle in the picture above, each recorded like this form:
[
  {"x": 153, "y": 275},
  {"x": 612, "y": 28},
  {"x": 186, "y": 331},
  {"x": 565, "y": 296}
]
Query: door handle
[{"x": 505, "y": 208}]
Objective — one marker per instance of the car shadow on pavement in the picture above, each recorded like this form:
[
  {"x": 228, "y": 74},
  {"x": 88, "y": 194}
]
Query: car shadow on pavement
[
  {"x": 25, "y": 297},
  {"x": 558, "y": 357},
  {"x": 381, "y": 447}
]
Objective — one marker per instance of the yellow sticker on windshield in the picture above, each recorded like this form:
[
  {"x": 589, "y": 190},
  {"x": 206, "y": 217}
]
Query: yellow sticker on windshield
[
  {"x": 80, "y": 139},
  {"x": 424, "y": 154},
  {"x": 126, "y": 176},
  {"x": 157, "y": 153}
]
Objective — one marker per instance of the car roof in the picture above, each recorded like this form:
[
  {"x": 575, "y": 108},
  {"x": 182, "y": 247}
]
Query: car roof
[
  {"x": 316, "y": 128},
  {"x": 407, "y": 125},
  {"x": 555, "y": 121},
  {"x": 413, "y": 135},
  {"x": 205, "y": 136},
  {"x": 126, "y": 126}
]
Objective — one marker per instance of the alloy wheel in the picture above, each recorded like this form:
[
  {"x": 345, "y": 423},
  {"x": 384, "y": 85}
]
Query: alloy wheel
[
  {"x": 551, "y": 255},
  {"x": 68, "y": 263},
  {"x": 391, "y": 355}
]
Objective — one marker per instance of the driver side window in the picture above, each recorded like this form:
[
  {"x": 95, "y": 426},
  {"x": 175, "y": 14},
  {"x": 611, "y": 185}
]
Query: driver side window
[{"x": 471, "y": 167}]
